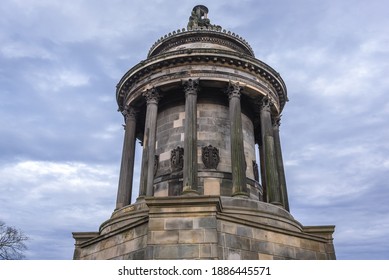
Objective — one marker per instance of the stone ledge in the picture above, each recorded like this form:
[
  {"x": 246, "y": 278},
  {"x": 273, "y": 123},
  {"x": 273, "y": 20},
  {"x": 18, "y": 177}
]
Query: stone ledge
[
  {"x": 183, "y": 204},
  {"x": 81, "y": 237},
  {"x": 325, "y": 231},
  {"x": 101, "y": 236}
]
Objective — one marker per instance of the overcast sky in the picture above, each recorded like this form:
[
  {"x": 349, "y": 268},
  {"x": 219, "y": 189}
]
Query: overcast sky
[{"x": 61, "y": 135}]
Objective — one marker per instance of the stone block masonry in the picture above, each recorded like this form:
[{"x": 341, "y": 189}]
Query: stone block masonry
[{"x": 205, "y": 227}]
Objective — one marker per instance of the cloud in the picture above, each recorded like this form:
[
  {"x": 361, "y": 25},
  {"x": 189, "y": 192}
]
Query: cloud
[
  {"x": 59, "y": 197},
  {"x": 57, "y": 79},
  {"x": 18, "y": 50}
]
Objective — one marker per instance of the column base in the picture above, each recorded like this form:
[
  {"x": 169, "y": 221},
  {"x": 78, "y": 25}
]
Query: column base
[
  {"x": 190, "y": 192},
  {"x": 276, "y": 203},
  {"x": 140, "y": 199},
  {"x": 240, "y": 194}
]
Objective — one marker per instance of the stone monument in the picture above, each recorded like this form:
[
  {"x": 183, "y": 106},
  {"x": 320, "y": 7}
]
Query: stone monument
[{"x": 201, "y": 104}]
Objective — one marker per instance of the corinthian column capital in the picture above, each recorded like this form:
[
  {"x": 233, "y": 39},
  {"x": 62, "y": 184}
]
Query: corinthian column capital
[
  {"x": 234, "y": 90},
  {"x": 129, "y": 112},
  {"x": 266, "y": 103},
  {"x": 191, "y": 86},
  {"x": 152, "y": 96},
  {"x": 276, "y": 121}
]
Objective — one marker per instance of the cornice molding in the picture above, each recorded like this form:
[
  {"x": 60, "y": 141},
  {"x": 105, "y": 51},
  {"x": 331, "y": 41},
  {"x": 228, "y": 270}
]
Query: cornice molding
[{"x": 202, "y": 56}]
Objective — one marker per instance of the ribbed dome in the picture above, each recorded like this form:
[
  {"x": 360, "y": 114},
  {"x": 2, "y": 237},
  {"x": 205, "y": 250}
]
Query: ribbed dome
[
  {"x": 201, "y": 34},
  {"x": 201, "y": 38}
]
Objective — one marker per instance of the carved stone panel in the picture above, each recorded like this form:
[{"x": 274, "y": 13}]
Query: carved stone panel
[
  {"x": 210, "y": 157},
  {"x": 177, "y": 158}
]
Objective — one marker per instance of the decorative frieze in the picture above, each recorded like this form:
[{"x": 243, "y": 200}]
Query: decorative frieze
[{"x": 210, "y": 157}]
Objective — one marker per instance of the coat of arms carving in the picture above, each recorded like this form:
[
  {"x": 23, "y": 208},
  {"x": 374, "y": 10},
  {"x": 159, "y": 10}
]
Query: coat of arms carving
[
  {"x": 177, "y": 158},
  {"x": 210, "y": 157}
]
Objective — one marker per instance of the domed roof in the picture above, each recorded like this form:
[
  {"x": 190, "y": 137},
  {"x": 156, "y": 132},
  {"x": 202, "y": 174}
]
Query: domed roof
[
  {"x": 206, "y": 51},
  {"x": 201, "y": 34}
]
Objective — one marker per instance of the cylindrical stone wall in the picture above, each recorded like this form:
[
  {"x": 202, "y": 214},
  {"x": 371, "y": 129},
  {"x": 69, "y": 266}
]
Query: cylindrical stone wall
[
  {"x": 170, "y": 136},
  {"x": 213, "y": 132}
]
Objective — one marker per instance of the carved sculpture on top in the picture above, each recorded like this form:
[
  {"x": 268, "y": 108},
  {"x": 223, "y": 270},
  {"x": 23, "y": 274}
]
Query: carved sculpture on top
[{"x": 199, "y": 18}]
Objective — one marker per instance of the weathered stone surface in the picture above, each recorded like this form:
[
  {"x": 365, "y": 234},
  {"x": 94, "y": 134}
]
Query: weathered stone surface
[
  {"x": 178, "y": 223},
  {"x": 205, "y": 223},
  {"x": 177, "y": 252},
  {"x": 164, "y": 237},
  {"x": 237, "y": 242},
  {"x": 244, "y": 231},
  {"x": 211, "y": 186},
  {"x": 191, "y": 236}
]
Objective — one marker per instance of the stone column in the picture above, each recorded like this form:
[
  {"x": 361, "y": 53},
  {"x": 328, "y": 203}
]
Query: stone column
[
  {"x": 128, "y": 158},
  {"x": 191, "y": 88},
  {"x": 280, "y": 163},
  {"x": 148, "y": 157},
  {"x": 268, "y": 152},
  {"x": 263, "y": 171},
  {"x": 238, "y": 162}
]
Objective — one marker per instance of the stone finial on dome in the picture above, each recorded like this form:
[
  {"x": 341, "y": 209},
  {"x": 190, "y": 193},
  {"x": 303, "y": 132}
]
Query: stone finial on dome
[{"x": 199, "y": 18}]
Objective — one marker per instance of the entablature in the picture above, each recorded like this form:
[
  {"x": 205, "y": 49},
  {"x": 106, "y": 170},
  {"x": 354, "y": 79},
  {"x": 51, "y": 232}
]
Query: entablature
[{"x": 215, "y": 64}]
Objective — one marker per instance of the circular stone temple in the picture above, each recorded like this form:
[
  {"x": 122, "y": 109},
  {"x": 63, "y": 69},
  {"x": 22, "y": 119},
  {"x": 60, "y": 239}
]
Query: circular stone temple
[{"x": 201, "y": 104}]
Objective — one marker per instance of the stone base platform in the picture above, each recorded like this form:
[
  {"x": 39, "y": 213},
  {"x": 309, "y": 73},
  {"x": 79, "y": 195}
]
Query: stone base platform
[{"x": 204, "y": 227}]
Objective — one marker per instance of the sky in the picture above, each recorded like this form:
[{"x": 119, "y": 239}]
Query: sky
[{"x": 61, "y": 136}]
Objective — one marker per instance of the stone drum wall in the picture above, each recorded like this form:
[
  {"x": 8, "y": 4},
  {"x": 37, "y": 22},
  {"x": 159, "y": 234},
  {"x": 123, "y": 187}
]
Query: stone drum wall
[{"x": 213, "y": 149}]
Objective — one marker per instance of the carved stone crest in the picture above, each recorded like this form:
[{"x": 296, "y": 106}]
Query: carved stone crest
[
  {"x": 177, "y": 158},
  {"x": 210, "y": 157}
]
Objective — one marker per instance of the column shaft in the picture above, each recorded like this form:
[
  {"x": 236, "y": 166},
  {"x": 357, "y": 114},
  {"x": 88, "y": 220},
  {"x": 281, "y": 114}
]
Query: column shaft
[
  {"x": 263, "y": 171},
  {"x": 190, "y": 141},
  {"x": 148, "y": 156},
  {"x": 128, "y": 158},
  {"x": 270, "y": 166},
  {"x": 238, "y": 162},
  {"x": 280, "y": 163}
]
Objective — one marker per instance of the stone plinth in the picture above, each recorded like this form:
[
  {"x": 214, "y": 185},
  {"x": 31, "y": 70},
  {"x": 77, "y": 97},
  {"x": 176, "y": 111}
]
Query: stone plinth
[{"x": 204, "y": 227}]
